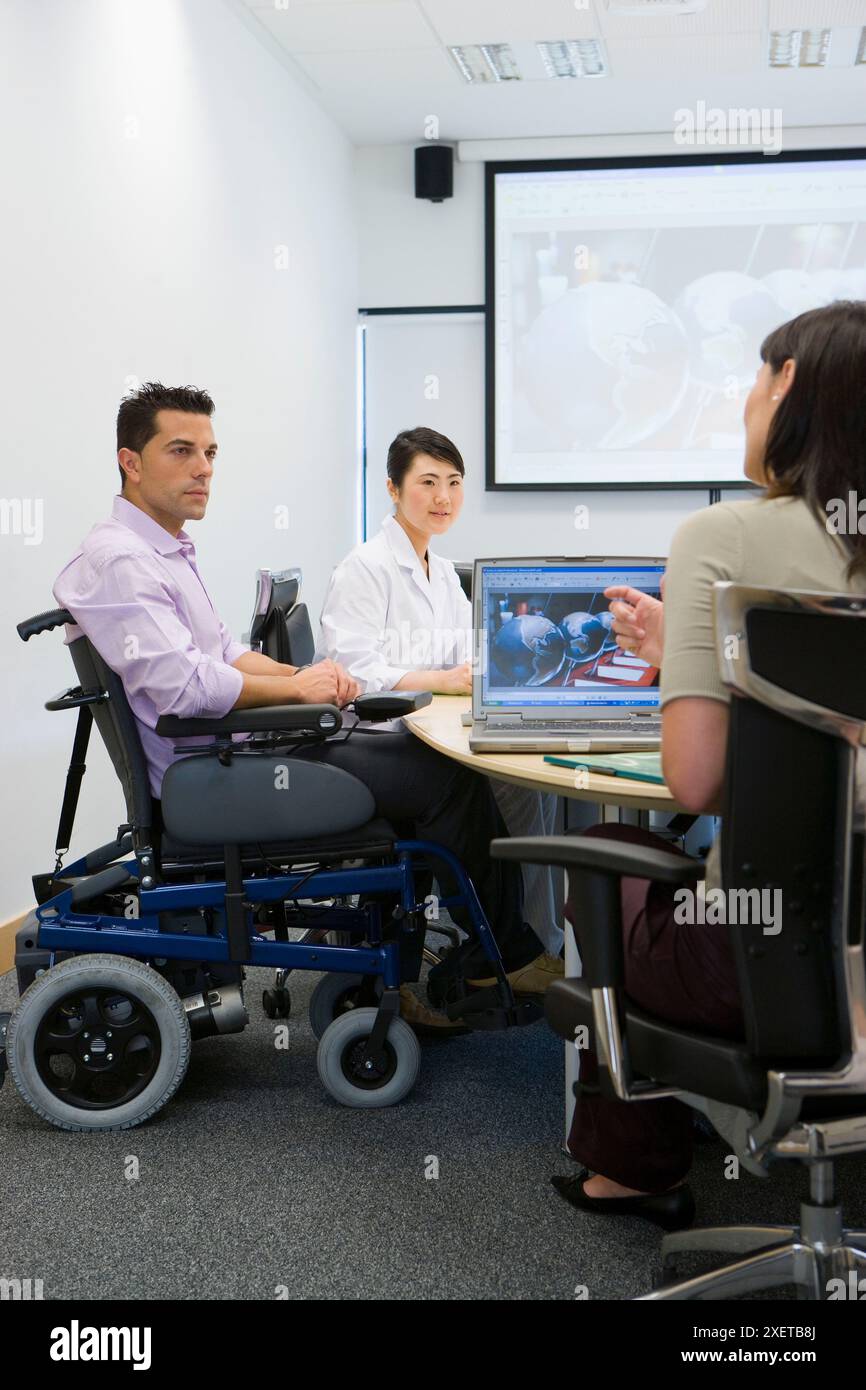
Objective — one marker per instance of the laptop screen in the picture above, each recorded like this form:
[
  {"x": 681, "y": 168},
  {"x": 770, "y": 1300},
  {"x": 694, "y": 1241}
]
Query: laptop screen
[{"x": 547, "y": 639}]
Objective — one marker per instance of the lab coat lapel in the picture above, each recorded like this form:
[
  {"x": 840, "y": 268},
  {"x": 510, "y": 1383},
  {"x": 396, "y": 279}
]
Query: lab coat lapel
[{"x": 404, "y": 552}]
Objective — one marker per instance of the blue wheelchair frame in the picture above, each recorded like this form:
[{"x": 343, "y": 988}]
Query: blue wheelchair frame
[{"x": 62, "y": 928}]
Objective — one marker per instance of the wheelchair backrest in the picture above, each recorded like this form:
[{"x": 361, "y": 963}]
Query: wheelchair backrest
[
  {"x": 281, "y": 626},
  {"x": 116, "y": 724}
]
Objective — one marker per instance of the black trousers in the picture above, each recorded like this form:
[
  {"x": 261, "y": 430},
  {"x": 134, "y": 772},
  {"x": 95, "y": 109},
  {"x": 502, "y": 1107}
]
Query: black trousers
[{"x": 427, "y": 796}]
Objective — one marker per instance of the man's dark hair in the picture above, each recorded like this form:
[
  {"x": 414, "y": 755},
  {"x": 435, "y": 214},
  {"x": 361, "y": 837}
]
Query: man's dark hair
[
  {"x": 136, "y": 418},
  {"x": 410, "y": 443},
  {"x": 816, "y": 444}
]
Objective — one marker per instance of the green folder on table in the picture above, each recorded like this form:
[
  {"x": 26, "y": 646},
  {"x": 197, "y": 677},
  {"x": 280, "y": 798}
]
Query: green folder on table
[{"x": 641, "y": 767}]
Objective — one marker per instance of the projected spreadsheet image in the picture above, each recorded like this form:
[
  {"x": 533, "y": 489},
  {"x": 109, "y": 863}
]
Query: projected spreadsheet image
[
  {"x": 549, "y": 639},
  {"x": 631, "y": 306}
]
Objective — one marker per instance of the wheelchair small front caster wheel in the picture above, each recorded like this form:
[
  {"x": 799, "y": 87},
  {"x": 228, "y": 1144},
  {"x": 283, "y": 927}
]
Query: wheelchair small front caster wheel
[
  {"x": 351, "y": 1078},
  {"x": 277, "y": 1003},
  {"x": 337, "y": 994},
  {"x": 98, "y": 1042}
]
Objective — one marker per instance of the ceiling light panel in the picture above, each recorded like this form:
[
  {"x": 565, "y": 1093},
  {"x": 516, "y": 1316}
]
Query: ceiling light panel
[
  {"x": 799, "y": 48},
  {"x": 574, "y": 58},
  {"x": 486, "y": 62}
]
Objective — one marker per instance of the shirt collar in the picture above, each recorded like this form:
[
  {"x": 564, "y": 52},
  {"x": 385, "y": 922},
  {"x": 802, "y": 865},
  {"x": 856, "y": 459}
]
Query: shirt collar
[
  {"x": 149, "y": 530},
  {"x": 402, "y": 547}
]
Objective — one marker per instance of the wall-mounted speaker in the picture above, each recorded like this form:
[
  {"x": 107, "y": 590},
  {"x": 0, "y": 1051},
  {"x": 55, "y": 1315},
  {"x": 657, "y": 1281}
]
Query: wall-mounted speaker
[{"x": 434, "y": 172}]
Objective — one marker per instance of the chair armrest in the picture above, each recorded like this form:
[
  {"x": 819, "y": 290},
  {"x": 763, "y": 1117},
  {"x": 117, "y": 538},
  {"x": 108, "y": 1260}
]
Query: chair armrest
[
  {"x": 390, "y": 704},
  {"x": 320, "y": 719},
  {"x": 595, "y": 868},
  {"x": 612, "y": 857}
]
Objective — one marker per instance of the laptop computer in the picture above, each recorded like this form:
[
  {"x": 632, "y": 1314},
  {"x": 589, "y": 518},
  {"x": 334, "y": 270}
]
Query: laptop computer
[{"x": 548, "y": 675}]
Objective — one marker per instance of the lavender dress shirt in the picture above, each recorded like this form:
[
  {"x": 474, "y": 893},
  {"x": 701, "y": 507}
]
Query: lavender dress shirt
[{"x": 137, "y": 594}]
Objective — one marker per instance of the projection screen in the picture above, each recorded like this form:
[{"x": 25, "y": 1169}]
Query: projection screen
[{"x": 627, "y": 301}]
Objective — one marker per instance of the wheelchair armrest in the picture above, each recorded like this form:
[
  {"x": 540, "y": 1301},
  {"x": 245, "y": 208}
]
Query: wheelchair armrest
[
  {"x": 390, "y": 704},
  {"x": 319, "y": 719},
  {"x": 595, "y": 868},
  {"x": 609, "y": 857}
]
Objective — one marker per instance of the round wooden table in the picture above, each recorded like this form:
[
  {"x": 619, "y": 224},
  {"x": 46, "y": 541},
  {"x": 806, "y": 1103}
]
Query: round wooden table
[{"x": 439, "y": 725}]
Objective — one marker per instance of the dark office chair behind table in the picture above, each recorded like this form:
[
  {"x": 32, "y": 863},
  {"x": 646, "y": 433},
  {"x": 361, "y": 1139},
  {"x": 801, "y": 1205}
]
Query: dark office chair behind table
[
  {"x": 281, "y": 623},
  {"x": 464, "y": 574},
  {"x": 795, "y": 1088}
]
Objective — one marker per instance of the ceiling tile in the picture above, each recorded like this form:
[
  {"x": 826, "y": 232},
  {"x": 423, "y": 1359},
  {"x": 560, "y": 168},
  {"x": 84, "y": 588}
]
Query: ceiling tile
[
  {"x": 711, "y": 53},
  {"x": 409, "y": 71},
  {"x": 508, "y": 21},
  {"x": 816, "y": 14},
  {"x": 328, "y": 27},
  {"x": 720, "y": 17}
]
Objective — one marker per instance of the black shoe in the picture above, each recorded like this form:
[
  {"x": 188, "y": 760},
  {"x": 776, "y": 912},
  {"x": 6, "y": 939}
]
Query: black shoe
[{"x": 673, "y": 1210}]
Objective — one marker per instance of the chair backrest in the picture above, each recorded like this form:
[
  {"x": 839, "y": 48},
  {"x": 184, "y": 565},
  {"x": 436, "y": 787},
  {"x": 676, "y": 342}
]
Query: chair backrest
[
  {"x": 795, "y": 663},
  {"x": 464, "y": 574},
  {"x": 281, "y": 624},
  {"x": 116, "y": 724}
]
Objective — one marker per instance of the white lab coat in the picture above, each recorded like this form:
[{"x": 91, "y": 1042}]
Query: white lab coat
[{"x": 383, "y": 617}]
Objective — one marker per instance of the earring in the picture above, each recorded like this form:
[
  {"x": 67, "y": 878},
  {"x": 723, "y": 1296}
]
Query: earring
[{"x": 776, "y": 397}]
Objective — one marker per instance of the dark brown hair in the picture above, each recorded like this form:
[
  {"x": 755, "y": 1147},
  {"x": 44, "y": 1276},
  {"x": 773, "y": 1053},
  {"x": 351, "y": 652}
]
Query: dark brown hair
[
  {"x": 410, "y": 443},
  {"x": 816, "y": 443},
  {"x": 136, "y": 418}
]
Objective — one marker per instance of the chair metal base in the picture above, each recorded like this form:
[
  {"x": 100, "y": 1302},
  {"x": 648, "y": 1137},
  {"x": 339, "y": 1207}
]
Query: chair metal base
[{"x": 809, "y": 1256}]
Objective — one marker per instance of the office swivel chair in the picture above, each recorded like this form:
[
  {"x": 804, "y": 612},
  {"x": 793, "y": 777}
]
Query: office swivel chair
[
  {"x": 281, "y": 623},
  {"x": 464, "y": 574},
  {"x": 795, "y": 1087}
]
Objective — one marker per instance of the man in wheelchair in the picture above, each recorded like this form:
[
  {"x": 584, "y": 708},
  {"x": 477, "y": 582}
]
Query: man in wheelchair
[{"x": 135, "y": 593}]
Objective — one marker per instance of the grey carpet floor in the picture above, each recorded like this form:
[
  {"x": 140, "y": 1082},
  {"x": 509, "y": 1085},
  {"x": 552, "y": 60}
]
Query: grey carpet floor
[{"x": 252, "y": 1181}]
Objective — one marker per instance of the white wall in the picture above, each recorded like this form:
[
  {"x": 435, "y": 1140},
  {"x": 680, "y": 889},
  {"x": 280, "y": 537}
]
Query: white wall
[
  {"x": 154, "y": 156},
  {"x": 418, "y": 253}
]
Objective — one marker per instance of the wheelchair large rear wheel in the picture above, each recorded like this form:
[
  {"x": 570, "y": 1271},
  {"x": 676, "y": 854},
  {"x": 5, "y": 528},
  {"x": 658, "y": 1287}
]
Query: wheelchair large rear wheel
[
  {"x": 98, "y": 1042},
  {"x": 343, "y": 1072}
]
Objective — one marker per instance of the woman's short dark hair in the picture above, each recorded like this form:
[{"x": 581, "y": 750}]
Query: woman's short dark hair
[
  {"x": 816, "y": 443},
  {"x": 136, "y": 417},
  {"x": 410, "y": 443}
]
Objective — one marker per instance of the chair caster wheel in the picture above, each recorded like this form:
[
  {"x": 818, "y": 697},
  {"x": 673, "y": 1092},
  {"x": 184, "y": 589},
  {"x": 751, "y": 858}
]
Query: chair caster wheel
[{"x": 277, "y": 1002}]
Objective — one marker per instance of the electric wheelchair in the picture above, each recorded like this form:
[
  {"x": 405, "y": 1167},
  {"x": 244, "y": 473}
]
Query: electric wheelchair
[{"x": 139, "y": 947}]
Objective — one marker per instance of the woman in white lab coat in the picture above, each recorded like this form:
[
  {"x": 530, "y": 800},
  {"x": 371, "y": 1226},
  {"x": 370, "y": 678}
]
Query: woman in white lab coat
[{"x": 395, "y": 616}]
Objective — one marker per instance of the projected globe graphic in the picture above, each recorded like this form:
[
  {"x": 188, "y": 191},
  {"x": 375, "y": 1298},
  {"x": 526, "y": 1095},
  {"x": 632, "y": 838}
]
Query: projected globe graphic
[
  {"x": 727, "y": 316},
  {"x": 585, "y": 634},
  {"x": 605, "y": 366},
  {"x": 528, "y": 649}
]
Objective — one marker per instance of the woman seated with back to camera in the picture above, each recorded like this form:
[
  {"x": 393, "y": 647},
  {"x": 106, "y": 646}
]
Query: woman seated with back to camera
[{"x": 805, "y": 421}]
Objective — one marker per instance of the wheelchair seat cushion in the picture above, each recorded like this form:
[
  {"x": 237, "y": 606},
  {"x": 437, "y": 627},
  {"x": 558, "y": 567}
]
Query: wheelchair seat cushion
[
  {"x": 373, "y": 840},
  {"x": 259, "y": 797}
]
